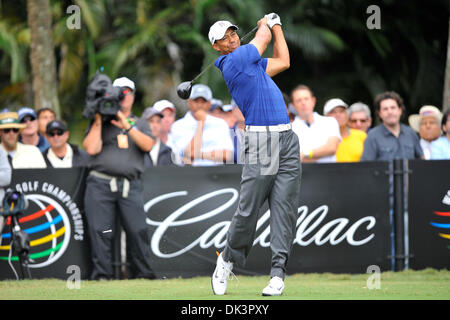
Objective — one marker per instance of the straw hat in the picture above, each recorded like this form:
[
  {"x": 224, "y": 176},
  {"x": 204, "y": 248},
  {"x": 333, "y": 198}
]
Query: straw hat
[
  {"x": 10, "y": 120},
  {"x": 425, "y": 111}
]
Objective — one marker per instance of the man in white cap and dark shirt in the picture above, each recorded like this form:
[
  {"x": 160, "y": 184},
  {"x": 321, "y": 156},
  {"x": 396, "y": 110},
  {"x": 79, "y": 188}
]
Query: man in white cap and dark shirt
[
  {"x": 117, "y": 149},
  {"x": 266, "y": 175},
  {"x": 198, "y": 138},
  {"x": 160, "y": 155}
]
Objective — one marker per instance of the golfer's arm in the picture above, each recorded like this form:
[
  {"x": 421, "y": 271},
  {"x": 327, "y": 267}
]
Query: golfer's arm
[
  {"x": 262, "y": 38},
  {"x": 280, "y": 60}
]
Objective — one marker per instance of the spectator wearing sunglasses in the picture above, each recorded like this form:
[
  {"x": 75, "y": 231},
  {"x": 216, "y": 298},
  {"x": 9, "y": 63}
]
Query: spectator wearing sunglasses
[
  {"x": 62, "y": 154},
  {"x": 19, "y": 155},
  {"x": 359, "y": 116},
  {"x": 30, "y": 134}
]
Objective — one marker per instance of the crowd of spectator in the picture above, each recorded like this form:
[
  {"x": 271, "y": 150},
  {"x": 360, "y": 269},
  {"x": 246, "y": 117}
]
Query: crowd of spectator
[{"x": 211, "y": 132}]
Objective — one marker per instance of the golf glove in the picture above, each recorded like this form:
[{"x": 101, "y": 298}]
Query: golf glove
[{"x": 273, "y": 19}]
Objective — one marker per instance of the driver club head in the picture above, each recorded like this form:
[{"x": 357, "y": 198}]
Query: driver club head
[{"x": 184, "y": 89}]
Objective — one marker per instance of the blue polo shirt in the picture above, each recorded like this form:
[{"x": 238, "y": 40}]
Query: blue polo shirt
[{"x": 253, "y": 90}]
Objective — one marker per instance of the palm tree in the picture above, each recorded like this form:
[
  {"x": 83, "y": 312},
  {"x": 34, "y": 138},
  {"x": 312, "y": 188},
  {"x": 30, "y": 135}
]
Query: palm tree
[
  {"x": 45, "y": 87},
  {"x": 446, "y": 102}
]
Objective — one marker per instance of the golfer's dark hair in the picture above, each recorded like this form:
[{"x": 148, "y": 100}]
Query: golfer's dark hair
[{"x": 302, "y": 87}]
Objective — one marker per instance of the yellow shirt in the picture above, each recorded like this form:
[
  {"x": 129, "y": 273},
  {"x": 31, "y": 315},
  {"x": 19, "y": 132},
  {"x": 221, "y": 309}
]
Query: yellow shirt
[{"x": 351, "y": 147}]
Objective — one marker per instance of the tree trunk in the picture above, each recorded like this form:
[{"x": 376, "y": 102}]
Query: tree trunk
[
  {"x": 45, "y": 87},
  {"x": 446, "y": 102}
]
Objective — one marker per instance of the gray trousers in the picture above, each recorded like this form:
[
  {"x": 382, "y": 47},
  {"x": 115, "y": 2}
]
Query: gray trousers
[{"x": 277, "y": 179}]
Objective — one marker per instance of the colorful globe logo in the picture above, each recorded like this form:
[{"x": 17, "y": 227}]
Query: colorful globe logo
[
  {"x": 48, "y": 226},
  {"x": 443, "y": 227}
]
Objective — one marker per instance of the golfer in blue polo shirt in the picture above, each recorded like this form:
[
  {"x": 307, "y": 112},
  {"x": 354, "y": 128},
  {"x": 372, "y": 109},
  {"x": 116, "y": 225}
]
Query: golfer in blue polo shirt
[{"x": 271, "y": 152}]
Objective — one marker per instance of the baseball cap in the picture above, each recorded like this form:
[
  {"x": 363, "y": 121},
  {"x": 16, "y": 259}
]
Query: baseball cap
[
  {"x": 55, "y": 125},
  {"x": 150, "y": 112},
  {"x": 124, "y": 82},
  {"x": 425, "y": 111},
  {"x": 227, "y": 107},
  {"x": 333, "y": 103},
  {"x": 215, "y": 103},
  {"x": 218, "y": 29},
  {"x": 201, "y": 91},
  {"x": 163, "y": 104},
  {"x": 25, "y": 111}
]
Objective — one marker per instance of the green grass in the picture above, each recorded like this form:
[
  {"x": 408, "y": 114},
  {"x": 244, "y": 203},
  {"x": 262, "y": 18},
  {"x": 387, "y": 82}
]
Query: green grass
[{"x": 405, "y": 285}]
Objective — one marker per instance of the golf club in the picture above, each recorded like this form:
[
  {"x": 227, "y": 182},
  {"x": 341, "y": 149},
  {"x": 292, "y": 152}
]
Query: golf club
[{"x": 184, "y": 88}]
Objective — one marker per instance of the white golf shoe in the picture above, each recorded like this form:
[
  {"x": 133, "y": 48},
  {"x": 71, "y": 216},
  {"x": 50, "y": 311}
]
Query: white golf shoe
[
  {"x": 219, "y": 279},
  {"x": 274, "y": 288}
]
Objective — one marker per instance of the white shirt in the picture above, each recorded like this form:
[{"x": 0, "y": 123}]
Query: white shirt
[
  {"x": 155, "y": 152},
  {"x": 57, "y": 162},
  {"x": 316, "y": 134},
  {"x": 27, "y": 156},
  {"x": 216, "y": 136},
  {"x": 426, "y": 148}
]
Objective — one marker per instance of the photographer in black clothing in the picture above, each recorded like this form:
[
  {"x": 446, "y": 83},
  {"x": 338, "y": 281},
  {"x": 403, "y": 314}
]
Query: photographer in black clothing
[{"x": 117, "y": 147}]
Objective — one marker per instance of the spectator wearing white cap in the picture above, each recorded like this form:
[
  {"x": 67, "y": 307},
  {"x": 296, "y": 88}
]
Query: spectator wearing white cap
[
  {"x": 319, "y": 136},
  {"x": 440, "y": 148},
  {"x": 117, "y": 150},
  {"x": 30, "y": 135},
  {"x": 161, "y": 154},
  {"x": 167, "y": 109},
  {"x": 352, "y": 145},
  {"x": 198, "y": 138},
  {"x": 427, "y": 123}
]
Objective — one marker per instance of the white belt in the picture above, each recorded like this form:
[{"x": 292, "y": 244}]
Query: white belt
[
  {"x": 277, "y": 128},
  {"x": 113, "y": 182}
]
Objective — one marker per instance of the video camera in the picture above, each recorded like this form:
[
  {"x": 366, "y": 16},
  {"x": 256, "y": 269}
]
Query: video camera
[
  {"x": 14, "y": 203},
  {"x": 102, "y": 97}
]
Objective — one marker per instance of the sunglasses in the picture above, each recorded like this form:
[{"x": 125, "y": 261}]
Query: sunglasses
[
  {"x": 15, "y": 130},
  {"x": 27, "y": 118},
  {"x": 126, "y": 92},
  {"x": 55, "y": 133}
]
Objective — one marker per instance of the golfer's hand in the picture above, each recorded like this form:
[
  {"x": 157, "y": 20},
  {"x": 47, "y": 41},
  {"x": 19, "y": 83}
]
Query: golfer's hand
[
  {"x": 272, "y": 19},
  {"x": 263, "y": 21}
]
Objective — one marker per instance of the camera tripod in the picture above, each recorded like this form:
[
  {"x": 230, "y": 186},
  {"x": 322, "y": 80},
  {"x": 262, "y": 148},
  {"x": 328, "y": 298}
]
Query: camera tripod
[
  {"x": 20, "y": 246},
  {"x": 14, "y": 205}
]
